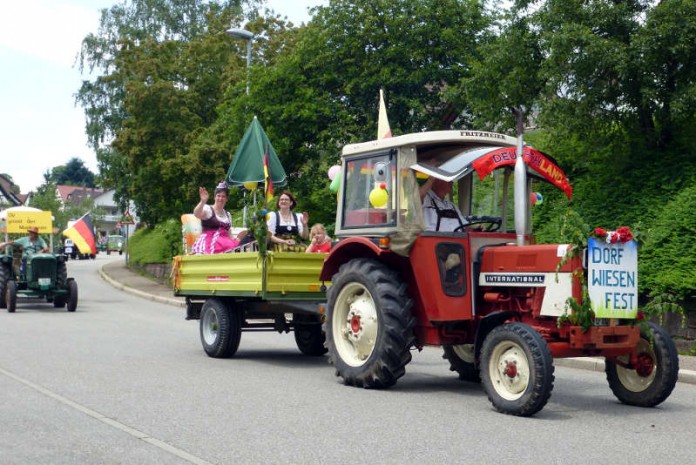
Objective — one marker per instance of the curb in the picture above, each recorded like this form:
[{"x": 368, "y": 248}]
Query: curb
[
  {"x": 145, "y": 295},
  {"x": 597, "y": 364}
]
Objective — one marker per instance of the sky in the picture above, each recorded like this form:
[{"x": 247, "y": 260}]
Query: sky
[{"x": 40, "y": 125}]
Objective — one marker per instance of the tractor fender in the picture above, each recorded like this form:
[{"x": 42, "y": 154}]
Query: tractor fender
[{"x": 346, "y": 250}]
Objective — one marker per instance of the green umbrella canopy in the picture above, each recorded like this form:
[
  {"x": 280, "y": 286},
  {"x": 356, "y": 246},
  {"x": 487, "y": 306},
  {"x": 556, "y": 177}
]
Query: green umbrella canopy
[{"x": 247, "y": 165}]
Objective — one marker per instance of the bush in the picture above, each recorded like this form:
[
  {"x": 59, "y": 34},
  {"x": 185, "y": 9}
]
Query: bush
[
  {"x": 157, "y": 245},
  {"x": 668, "y": 257}
]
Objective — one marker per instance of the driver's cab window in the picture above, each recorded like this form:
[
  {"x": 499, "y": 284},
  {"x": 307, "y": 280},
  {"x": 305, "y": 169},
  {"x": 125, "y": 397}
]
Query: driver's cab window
[
  {"x": 494, "y": 196},
  {"x": 369, "y": 199}
]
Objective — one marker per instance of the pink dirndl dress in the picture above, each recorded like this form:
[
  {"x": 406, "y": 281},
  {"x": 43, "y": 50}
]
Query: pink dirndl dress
[{"x": 215, "y": 237}]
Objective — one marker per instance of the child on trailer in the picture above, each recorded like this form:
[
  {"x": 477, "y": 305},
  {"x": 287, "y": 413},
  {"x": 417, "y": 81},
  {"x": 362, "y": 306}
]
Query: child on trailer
[{"x": 320, "y": 242}]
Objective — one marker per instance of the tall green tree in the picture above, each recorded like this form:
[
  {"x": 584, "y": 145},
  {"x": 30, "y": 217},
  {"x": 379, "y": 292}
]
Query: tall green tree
[
  {"x": 153, "y": 93},
  {"x": 73, "y": 173}
]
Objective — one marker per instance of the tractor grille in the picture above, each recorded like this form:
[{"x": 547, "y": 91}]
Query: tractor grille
[{"x": 42, "y": 267}]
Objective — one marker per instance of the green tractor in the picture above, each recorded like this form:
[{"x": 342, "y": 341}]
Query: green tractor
[{"x": 41, "y": 275}]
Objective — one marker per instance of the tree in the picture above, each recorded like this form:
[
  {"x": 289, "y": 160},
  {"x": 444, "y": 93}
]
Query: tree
[
  {"x": 74, "y": 173},
  {"x": 162, "y": 64}
]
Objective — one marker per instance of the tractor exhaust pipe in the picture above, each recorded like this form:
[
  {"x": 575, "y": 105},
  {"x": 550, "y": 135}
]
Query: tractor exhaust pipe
[{"x": 520, "y": 181}]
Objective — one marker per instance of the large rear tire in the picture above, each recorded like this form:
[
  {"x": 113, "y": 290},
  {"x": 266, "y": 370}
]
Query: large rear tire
[
  {"x": 516, "y": 369},
  {"x": 653, "y": 378},
  {"x": 369, "y": 329},
  {"x": 11, "y": 295},
  {"x": 220, "y": 328},
  {"x": 309, "y": 335},
  {"x": 72, "y": 295},
  {"x": 463, "y": 360}
]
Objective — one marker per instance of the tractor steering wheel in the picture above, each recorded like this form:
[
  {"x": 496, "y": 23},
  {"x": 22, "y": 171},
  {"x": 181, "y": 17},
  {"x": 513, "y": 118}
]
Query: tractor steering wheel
[{"x": 493, "y": 222}]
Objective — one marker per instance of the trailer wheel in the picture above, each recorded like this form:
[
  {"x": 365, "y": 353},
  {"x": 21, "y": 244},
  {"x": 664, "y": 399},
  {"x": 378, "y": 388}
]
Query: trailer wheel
[
  {"x": 369, "y": 329},
  {"x": 220, "y": 328},
  {"x": 309, "y": 335},
  {"x": 462, "y": 360},
  {"x": 653, "y": 378},
  {"x": 72, "y": 295},
  {"x": 11, "y": 295},
  {"x": 516, "y": 369}
]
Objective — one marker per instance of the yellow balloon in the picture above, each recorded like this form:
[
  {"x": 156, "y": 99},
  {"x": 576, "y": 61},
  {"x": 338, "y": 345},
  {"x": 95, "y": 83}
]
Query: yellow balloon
[
  {"x": 250, "y": 185},
  {"x": 378, "y": 197}
]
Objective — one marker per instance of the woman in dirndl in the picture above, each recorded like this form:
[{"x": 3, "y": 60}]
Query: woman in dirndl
[
  {"x": 216, "y": 222},
  {"x": 288, "y": 229}
]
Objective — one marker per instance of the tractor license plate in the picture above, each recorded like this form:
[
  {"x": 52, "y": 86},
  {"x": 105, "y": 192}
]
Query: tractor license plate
[
  {"x": 68, "y": 250},
  {"x": 44, "y": 282}
]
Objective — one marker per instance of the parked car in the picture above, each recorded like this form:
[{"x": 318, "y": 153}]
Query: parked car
[{"x": 115, "y": 243}]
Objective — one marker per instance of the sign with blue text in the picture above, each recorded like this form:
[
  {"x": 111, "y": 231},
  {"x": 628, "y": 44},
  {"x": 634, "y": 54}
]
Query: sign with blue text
[{"x": 612, "y": 275}]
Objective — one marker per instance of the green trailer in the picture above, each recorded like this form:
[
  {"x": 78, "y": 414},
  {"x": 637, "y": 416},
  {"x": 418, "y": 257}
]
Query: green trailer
[{"x": 245, "y": 291}]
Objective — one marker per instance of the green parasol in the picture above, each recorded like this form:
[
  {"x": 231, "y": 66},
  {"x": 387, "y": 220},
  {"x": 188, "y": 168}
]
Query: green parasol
[{"x": 248, "y": 163}]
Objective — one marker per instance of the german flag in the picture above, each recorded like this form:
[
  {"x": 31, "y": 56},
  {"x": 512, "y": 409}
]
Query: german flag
[{"x": 82, "y": 234}]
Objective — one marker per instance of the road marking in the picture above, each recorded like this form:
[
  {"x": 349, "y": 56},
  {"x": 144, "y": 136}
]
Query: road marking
[{"x": 109, "y": 421}]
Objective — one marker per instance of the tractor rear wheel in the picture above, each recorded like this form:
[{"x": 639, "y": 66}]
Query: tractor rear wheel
[
  {"x": 220, "y": 328},
  {"x": 11, "y": 295},
  {"x": 369, "y": 329},
  {"x": 516, "y": 369},
  {"x": 463, "y": 360},
  {"x": 309, "y": 335},
  {"x": 652, "y": 379}
]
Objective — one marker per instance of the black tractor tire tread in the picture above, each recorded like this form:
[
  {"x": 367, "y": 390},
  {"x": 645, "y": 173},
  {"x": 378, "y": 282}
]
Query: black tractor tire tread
[
  {"x": 72, "y": 295},
  {"x": 391, "y": 354},
  {"x": 4, "y": 277},
  {"x": 11, "y": 295},
  {"x": 466, "y": 371},
  {"x": 309, "y": 335}
]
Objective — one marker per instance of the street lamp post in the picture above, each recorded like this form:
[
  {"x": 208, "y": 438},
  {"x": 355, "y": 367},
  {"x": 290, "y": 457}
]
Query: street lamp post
[{"x": 249, "y": 37}]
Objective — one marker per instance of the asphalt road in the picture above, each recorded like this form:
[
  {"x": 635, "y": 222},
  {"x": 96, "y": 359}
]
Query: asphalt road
[{"x": 124, "y": 380}]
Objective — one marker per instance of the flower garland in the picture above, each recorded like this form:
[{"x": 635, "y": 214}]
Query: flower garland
[{"x": 621, "y": 235}]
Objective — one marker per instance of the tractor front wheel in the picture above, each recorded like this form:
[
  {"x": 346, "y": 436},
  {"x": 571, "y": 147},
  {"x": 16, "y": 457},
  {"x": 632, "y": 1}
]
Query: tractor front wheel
[
  {"x": 72, "y": 295},
  {"x": 652, "y": 378},
  {"x": 220, "y": 328},
  {"x": 11, "y": 295},
  {"x": 516, "y": 369},
  {"x": 4, "y": 278},
  {"x": 369, "y": 328}
]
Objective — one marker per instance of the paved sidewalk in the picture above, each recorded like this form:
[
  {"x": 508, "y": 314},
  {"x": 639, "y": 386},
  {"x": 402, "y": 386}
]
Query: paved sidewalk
[{"x": 118, "y": 275}]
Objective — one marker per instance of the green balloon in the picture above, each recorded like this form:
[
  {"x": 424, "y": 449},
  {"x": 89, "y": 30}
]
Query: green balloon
[{"x": 336, "y": 183}]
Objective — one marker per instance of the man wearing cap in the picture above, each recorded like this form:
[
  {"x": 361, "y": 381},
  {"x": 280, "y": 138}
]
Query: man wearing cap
[{"x": 31, "y": 244}]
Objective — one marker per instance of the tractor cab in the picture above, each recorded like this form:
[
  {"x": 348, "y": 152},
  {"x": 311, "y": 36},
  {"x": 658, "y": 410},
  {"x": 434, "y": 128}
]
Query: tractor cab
[{"x": 381, "y": 215}]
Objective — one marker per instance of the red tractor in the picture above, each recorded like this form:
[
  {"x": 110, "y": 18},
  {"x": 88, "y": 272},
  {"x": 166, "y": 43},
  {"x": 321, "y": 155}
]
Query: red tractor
[{"x": 497, "y": 303}]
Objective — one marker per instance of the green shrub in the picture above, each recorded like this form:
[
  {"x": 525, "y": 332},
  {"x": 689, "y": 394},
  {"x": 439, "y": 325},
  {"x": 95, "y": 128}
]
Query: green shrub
[{"x": 668, "y": 257}]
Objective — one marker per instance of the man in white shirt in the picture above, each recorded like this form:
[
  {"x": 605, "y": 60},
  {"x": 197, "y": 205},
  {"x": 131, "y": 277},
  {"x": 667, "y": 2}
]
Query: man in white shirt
[{"x": 440, "y": 213}]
